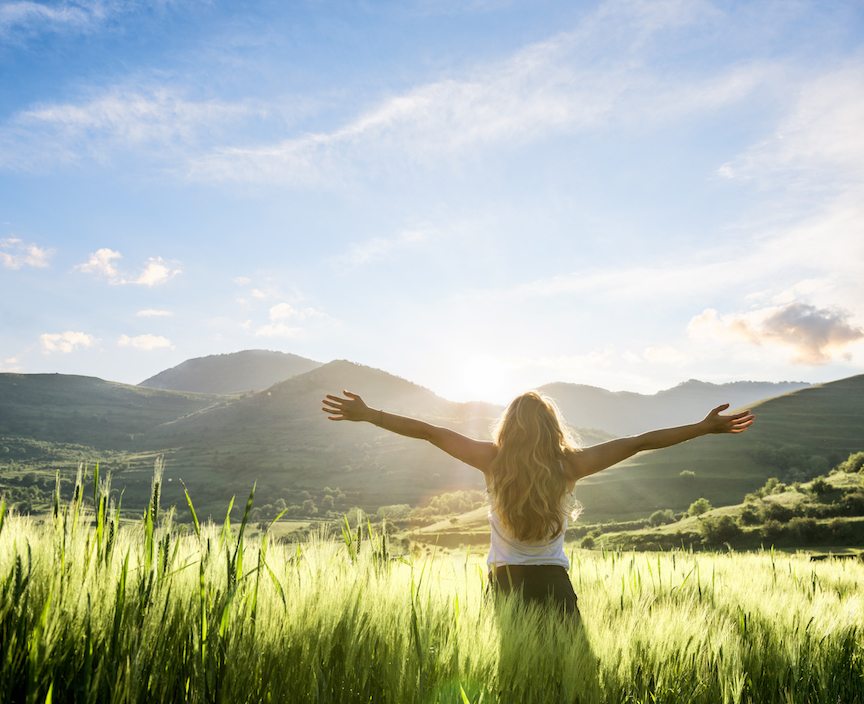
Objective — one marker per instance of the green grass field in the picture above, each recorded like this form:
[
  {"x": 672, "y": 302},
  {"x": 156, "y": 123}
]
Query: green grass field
[{"x": 95, "y": 610}]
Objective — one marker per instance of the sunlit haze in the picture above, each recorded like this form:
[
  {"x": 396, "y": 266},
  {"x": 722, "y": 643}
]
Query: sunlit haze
[{"x": 481, "y": 197}]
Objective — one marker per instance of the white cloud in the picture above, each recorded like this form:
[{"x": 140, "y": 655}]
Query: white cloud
[
  {"x": 102, "y": 263},
  {"x": 154, "y": 313},
  {"x": 10, "y": 364},
  {"x": 286, "y": 319},
  {"x": 156, "y": 271},
  {"x": 242, "y": 280},
  {"x": 145, "y": 342},
  {"x": 814, "y": 335},
  {"x": 65, "y": 342},
  {"x": 378, "y": 248},
  {"x": 15, "y": 253}
]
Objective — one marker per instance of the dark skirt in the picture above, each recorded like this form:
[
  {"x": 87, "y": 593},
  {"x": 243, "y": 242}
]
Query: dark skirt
[{"x": 545, "y": 585}]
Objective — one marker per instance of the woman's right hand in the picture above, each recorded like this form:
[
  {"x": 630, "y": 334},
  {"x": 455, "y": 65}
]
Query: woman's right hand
[{"x": 352, "y": 407}]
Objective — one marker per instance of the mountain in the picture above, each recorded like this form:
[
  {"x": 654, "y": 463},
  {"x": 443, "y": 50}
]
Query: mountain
[
  {"x": 627, "y": 413},
  {"x": 249, "y": 370}
]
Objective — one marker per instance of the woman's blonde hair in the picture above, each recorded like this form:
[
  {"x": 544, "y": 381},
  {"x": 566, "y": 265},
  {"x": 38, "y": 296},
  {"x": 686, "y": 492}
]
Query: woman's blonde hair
[{"x": 529, "y": 476}]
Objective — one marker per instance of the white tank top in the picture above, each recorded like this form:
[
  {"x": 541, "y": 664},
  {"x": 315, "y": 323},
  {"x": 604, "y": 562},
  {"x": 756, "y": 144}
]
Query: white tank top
[{"x": 505, "y": 549}]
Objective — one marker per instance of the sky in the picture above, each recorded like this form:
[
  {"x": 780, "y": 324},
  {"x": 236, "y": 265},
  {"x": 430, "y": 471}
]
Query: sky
[{"x": 481, "y": 196}]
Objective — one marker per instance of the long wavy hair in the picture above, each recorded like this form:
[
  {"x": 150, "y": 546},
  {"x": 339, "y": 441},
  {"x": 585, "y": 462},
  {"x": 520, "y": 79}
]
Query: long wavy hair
[{"x": 529, "y": 476}]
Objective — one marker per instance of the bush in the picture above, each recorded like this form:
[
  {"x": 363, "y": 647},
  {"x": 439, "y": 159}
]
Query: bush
[
  {"x": 772, "y": 530},
  {"x": 751, "y": 514},
  {"x": 805, "y": 528},
  {"x": 820, "y": 487},
  {"x": 852, "y": 504},
  {"x": 698, "y": 507},
  {"x": 587, "y": 542},
  {"x": 659, "y": 518},
  {"x": 687, "y": 474},
  {"x": 719, "y": 530},
  {"x": 773, "y": 511},
  {"x": 393, "y": 511},
  {"x": 853, "y": 463}
]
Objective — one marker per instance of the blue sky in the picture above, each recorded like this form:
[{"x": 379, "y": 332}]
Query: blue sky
[{"x": 479, "y": 196}]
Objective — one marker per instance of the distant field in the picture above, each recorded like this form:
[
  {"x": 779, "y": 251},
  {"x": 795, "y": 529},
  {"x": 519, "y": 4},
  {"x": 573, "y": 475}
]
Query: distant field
[{"x": 141, "y": 613}]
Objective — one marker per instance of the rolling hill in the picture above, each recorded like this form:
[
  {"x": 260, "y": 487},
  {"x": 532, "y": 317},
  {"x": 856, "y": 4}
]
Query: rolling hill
[
  {"x": 278, "y": 437},
  {"x": 248, "y": 370},
  {"x": 86, "y": 410},
  {"x": 625, "y": 413}
]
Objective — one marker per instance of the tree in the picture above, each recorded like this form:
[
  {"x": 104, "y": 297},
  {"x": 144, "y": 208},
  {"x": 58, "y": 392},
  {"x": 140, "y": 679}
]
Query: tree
[
  {"x": 853, "y": 463},
  {"x": 719, "y": 530},
  {"x": 659, "y": 518},
  {"x": 820, "y": 487},
  {"x": 699, "y": 506}
]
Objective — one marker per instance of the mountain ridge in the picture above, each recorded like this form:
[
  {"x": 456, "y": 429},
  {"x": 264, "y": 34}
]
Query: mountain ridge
[{"x": 232, "y": 372}]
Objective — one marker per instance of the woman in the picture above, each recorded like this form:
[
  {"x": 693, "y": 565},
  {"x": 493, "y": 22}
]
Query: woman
[{"x": 530, "y": 468}]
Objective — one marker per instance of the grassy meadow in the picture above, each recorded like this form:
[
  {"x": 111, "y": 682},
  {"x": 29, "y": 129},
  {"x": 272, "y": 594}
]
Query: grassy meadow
[{"x": 95, "y": 609}]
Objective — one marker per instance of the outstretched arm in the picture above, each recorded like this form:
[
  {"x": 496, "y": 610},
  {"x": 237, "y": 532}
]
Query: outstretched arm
[
  {"x": 473, "y": 452},
  {"x": 599, "y": 457}
]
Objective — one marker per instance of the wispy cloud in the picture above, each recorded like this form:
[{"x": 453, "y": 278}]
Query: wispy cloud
[
  {"x": 814, "y": 335},
  {"x": 65, "y": 342},
  {"x": 102, "y": 263},
  {"x": 15, "y": 254},
  {"x": 378, "y": 248},
  {"x": 154, "y": 313},
  {"x": 115, "y": 121},
  {"x": 563, "y": 85},
  {"x": 23, "y": 19},
  {"x": 146, "y": 342},
  {"x": 819, "y": 144}
]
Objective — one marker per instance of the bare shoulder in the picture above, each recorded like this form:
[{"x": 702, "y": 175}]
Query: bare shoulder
[
  {"x": 574, "y": 464},
  {"x": 487, "y": 451}
]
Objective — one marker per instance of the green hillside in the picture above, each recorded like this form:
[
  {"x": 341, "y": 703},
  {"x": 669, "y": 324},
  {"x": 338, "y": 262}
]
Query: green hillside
[
  {"x": 795, "y": 437},
  {"x": 87, "y": 410}
]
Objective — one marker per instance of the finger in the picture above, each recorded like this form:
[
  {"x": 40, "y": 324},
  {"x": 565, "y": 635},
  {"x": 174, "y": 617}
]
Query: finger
[
  {"x": 335, "y": 418},
  {"x": 719, "y": 408},
  {"x": 335, "y": 398},
  {"x": 349, "y": 394},
  {"x": 336, "y": 404},
  {"x": 740, "y": 415},
  {"x": 331, "y": 410}
]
